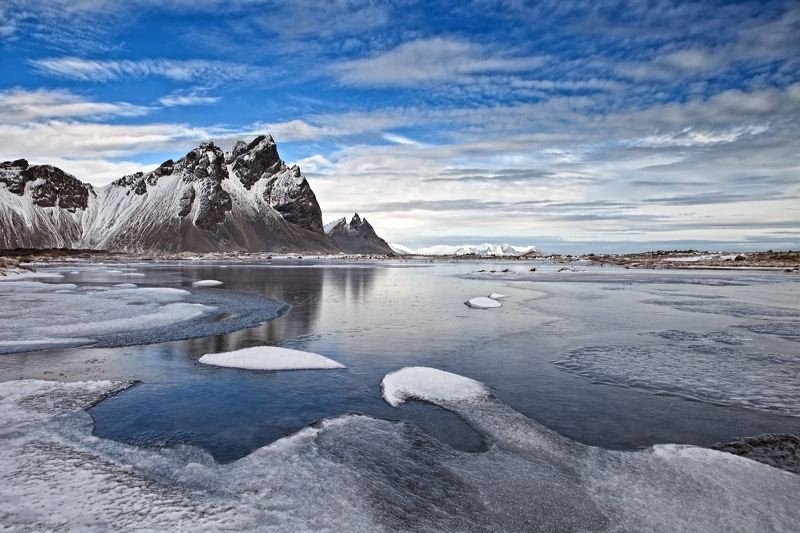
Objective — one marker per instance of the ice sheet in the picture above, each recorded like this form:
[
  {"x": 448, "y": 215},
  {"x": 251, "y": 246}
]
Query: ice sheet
[{"x": 363, "y": 474}]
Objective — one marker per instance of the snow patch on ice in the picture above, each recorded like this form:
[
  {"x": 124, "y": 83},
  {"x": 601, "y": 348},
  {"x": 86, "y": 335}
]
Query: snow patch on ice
[
  {"x": 482, "y": 302},
  {"x": 270, "y": 358},
  {"x": 207, "y": 283},
  {"x": 429, "y": 384}
]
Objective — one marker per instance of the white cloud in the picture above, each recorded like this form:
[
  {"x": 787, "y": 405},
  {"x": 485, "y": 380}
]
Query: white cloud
[
  {"x": 178, "y": 98},
  {"x": 426, "y": 61},
  {"x": 95, "y": 70},
  {"x": 20, "y": 105},
  {"x": 80, "y": 140}
]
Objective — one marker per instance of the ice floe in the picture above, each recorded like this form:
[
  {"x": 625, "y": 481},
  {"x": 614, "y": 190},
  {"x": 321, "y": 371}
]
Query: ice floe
[
  {"x": 270, "y": 358},
  {"x": 429, "y": 384},
  {"x": 482, "y": 302},
  {"x": 207, "y": 283},
  {"x": 497, "y": 296}
]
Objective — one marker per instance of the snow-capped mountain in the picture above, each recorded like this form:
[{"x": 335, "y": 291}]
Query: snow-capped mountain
[
  {"x": 358, "y": 236},
  {"x": 484, "y": 250},
  {"x": 249, "y": 200}
]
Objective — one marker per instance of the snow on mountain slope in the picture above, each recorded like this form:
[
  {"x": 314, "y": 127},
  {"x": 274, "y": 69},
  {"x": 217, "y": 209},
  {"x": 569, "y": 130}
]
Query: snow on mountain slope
[{"x": 249, "y": 201}]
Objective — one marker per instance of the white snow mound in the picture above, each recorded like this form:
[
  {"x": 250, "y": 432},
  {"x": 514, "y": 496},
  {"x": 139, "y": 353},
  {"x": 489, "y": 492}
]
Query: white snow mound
[
  {"x": 207, "y": 283},
  {"x": 497, "y": 296},
  {"x": 270, "y": 358},
  {"x": 429, "y": 384},
  {"x": 482, "y": 302}
]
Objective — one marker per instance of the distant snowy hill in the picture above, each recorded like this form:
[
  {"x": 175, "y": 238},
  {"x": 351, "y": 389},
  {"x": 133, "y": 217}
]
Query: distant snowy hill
[
  {"x": 486, "y": 249},
  {"x": 246, "y": 200}
]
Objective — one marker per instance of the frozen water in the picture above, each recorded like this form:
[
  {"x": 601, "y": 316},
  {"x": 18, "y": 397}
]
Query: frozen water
[
  {"x": 47, "y": 315},
  {"x": 363, "y": 474},
  {"x": 269, "y": 358},
  {"x": 429, "y": 384},
  {"x": 721, "y": 337},
  {"x": 786, "y": 330},
  {"x": 207, "y": 283},
  {"x": 706, "y": 372},
  {"x": 497, "y": 296},
  {"x": 729, "y": 308},
  {"x": 482, "y": 302},
  {"x": 125, "y": 286}
]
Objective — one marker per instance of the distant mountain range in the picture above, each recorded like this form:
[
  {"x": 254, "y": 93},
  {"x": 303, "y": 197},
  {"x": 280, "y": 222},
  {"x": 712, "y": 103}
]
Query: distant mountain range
[
  {"x": 207, "y": 201},
  {"x": 483, "y": 250}
]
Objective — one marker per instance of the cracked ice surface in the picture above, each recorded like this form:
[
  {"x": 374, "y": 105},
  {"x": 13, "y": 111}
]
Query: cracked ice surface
[{"x": 37, "y": 315}]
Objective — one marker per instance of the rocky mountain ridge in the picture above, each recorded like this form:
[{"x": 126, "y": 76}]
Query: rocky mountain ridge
[
  {"x": 358, "y": 236},
  {"x": 206, "y": 201}
]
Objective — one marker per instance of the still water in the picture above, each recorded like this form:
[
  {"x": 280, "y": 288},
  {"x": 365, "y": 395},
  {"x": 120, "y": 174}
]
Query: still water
[{"x": 606, "y": 357}]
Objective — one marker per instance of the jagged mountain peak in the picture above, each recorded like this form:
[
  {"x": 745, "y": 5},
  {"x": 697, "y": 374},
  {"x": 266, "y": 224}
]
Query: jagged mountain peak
[
  {"x": 48, "y": 186},
  {"x": 357, "y": 236}
]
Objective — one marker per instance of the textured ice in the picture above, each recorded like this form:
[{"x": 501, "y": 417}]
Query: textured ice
[
  {"x": 36, "y": 315},
  {"x": 705, "y": 372},
  {"x": 786, "y": 330},
  {"x": 482, "y": 302},
  {"x": 729, "y": 308},
  {"x": 429, "y": 384},
  {"x": 358, "y": 473},
  {"x": 207, "y": 283},
  {"x": 497, "y": 296},
  {"x": 269, "y": 358},
  {"x": 721, "y": 337}
]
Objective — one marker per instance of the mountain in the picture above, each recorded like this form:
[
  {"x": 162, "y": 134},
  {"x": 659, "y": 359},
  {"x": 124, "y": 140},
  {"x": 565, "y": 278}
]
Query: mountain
[
  {"x": 247, "y": 200},
  {"x": 484, "y": 250},
  {"x": 358, "y": 236}
]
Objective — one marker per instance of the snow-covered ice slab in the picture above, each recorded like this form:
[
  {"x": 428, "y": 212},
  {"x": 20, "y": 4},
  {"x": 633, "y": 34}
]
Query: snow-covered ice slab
[
  {"x": 497, "y": 296},
  {"x": 482, "y": 302},
  {"x": 270, "y": 358},
  {"x": 429, "y": 384},
  {"x": 207, "y": 283}
]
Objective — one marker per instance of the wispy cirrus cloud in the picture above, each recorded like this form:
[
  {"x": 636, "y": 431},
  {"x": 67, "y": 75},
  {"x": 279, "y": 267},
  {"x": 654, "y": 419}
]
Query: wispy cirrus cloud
[
  {"x": 434, "y": 60},
  {"x": 20, "y": 105},
  {"x": 187, "y": 98},
  {"x": 188, "y": 70}
]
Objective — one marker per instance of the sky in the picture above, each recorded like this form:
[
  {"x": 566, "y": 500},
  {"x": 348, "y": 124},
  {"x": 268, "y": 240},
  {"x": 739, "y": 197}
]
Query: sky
[{"x": 572, "y": 126}]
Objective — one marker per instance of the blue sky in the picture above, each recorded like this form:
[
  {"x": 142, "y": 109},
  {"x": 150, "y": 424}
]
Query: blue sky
[{"x": 568, "y": 125}]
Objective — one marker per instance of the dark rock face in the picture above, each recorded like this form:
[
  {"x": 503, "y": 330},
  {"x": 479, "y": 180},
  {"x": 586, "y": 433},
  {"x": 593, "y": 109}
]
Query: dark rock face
[
  {"x": 357, "y": 237},
  {"x": 205, "y": 166},
  {"x": 257, "y": 160},
  {"x": 781, "y": 451},
  {"x": 51, "y": 186},
  {"x": 285, "y": 189}
]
